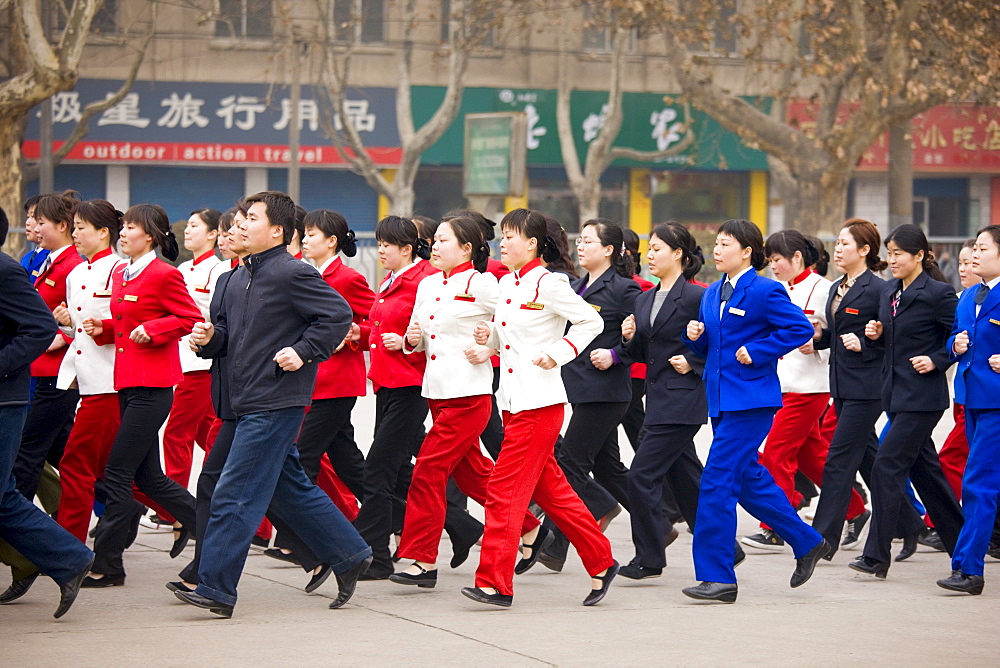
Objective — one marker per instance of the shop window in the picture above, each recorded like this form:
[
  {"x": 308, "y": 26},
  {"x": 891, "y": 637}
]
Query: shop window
[{"x": 249, "y": 19}]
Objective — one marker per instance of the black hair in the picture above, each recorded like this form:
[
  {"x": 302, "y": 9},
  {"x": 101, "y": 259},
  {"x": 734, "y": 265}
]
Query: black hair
[
  {"x": 992, "y": 230},
  {"x": 208, "y": 216},
  {"x": 609, "y": 233},
  {"x": 30, "y": 203},
  {"x": 530, "y": 224},
  {"x": 866, "y": 234},
  {"x": 911, "y": 239},
  {"x": 280, "y": 209},
  {"x": 822, "y": 265},
  {"x": 154, "y": 222},
  {"x": 468, "y": 231},
  {"x": 564, "y": 263},
  {"x": 488, "y": 232},
  {"x": 332, "y": 224},
  {"x": 426, "y": 227},
  {"x": 971, "y": 243},
  {"x": 58, "y": 208},
  {"x": 402, "y": 232},
  {"x": 300, "y": 217},
  {"x": 100, "y": 214},
  {"x": 4, "y": 226},
  {"x": 226, "y": 219},
  {"x": 787, "y": 243},
  {"x": 632, "y": 247},
  {"x": 677, "y": 236},
  {"x": 748, "y": 236}
]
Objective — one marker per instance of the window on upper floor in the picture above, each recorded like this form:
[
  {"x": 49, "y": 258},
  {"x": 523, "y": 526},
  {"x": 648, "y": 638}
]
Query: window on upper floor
[
  {"x": 483, "y": 14},
  {"x": 251, "y": 19},
  {"x": 359, "y": 21},
  {"x": 597, "y": 35},
  {"x": 105, "y": 21}
]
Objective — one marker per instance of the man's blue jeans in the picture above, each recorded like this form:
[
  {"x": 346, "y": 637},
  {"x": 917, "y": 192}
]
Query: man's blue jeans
[
  {"x": 263, "y": 469},
  {"x": 55, "y": 551}
]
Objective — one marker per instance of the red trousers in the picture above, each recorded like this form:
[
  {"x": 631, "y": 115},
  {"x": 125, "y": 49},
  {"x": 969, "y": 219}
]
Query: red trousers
[
  {"x": 526, "y": 469},
  {"x": 451, "y": 449},
  {"x": 955, "y": 452},
  {"x": 84, "y": 459},
  {"x": 335, "y": 488},
  {"x": 795, "y": 443},
  {"x": 192, "y": 420}
]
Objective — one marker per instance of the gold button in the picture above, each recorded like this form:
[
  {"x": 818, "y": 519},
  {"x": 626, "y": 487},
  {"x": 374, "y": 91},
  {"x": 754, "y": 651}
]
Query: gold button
[
  {"x": 381, "y": 301},
  {"x": 121, "y": 350},
  {"x": 376, "y": 323}
]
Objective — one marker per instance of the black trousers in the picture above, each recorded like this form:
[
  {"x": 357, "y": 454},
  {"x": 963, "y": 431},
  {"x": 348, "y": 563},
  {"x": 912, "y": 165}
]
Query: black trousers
[
  {"x": 667, "y": 453},
  {"x": 135, "y": 456},
  {"x": 46, "y": 428},
  {"x": 635, "y": 416},
  {"x": 207, "y": 479},
  {"x": 327, "y": 429},
  {"x": 853, "y": 449},
  {"x": 399, "y": 420},
  {"x": 907, "y": 450},
  {"x": 591, "y": 445}
]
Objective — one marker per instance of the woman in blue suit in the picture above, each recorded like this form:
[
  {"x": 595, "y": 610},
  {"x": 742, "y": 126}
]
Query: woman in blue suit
[
  {"x": 916, "y": 314},
  {"x": 675, "y": 403},
  {"x": 745, "y": 324},
  {"x": 975, "y": 344}
]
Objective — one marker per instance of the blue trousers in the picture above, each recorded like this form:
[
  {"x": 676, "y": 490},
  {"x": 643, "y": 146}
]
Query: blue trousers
[
  {"x": 980, "y": 490},
  {"x": 733, "y": 475},
  {"x": 263, "y": 469},
  {"x": 55, "y": 551}
]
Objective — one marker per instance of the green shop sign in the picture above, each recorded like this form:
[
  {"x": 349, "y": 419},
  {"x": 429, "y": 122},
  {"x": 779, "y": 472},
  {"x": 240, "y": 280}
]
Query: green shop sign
[{"x": 652, "y": 121}]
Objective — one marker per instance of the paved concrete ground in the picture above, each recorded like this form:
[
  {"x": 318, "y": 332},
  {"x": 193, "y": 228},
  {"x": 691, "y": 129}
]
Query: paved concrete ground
[{"x": 838, "y": 618}]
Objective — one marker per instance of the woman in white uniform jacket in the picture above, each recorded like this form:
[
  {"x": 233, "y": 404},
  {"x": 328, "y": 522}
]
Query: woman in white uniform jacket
[
  {"x": 529, "y": 330},
  {"x": 458, "y": 385}
]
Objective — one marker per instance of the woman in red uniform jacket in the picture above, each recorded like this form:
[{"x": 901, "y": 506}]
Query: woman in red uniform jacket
[
  {"x": 50, "y": 417},
  {"x": 340, "y": 380},
  {"x": 150, "y": 310},
  {"x": 399, "y": 408}
]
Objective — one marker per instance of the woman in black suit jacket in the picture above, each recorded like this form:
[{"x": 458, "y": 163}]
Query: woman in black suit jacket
[
  {"x": 855, "y": 380},
  {"x": 676, "y": 406},
  {"x": 599, "y": 387},
  {"x": 916, "y": 313}
]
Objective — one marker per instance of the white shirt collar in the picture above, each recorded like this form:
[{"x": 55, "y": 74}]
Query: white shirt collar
[
  {"x": 735, "y": 279},
  {"x": 993, "y": 283},
  {"x": 326, "y": 265},
  {"x": 56, "y": 253},
  {"x": 135, "y": 267}
]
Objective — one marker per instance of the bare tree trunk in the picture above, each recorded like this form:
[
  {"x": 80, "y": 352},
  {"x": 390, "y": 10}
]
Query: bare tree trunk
[
  {"x": 900, "y": 174},
  {"x": 10, "y": 181},
  {"x": 818, "y": 205},
  {"x": 403, "y": 196}
]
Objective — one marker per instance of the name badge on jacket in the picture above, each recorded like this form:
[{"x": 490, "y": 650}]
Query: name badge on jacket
[
  {"x": 994, "y": 322},
  {"x": 851, "y": 311},
  {"x": 533, "y": 306},
  {"x": 737, "y": 311},
  {"x": 103, "y": 293},
  {"x": 465, "y": 297},
  {"x": 596, "y": 307},
  {"x": 49, "y": 282},
  {"x": 131, "y": 298}
]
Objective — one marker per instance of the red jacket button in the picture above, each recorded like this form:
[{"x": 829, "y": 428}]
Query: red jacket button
[
  {"x": 508, "y": 301},
  {"x": 433, "y": 357},
  {"x": 510, "y": 371},
  {"x": 507, "y": 346},
  {"x": 79, "y": 352}
]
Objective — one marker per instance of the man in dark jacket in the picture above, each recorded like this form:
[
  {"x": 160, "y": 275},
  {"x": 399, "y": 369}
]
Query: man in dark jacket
[
  {"x": 26, "y": 330},
  {"x": 279, "y": 321}
]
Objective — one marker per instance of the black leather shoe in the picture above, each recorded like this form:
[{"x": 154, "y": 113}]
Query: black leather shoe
[
  {"x": 805, "y": 566},
  {"x": 478, "y": 595},
  {"x": 723, "y": 592},
  {"x": 909, "y": 547},
  {"x": 931, "y": 539},
  {"x": 178, "y": 586},
  {"x": 959, "y": 581},
  {"x": 318, "y": 579},
  {"x": 18, "y": 588},
  {"x": 349, "y": 581},
  {"x": 180, "y": 542},
  {"x": 425, "y": 579},
  {"x": 542, "y": 541},
  {"x": 869, "y": 566},
  {"x": 199, "y": 601},
  {"x": 597, "y": 595},
  {"x": 288, "y": 557},
  {"x": 552, "y": 563},
  {"x": 994, "y": 550},
  {"x": 69, "y": 590},
  {"x": 634, "y": 571},
  {"x": 459, "y": 553},
  {"x": 671, "y": 536},
  {"x": 100, "y": 583},
  {"x": 739, "y": 556}
]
